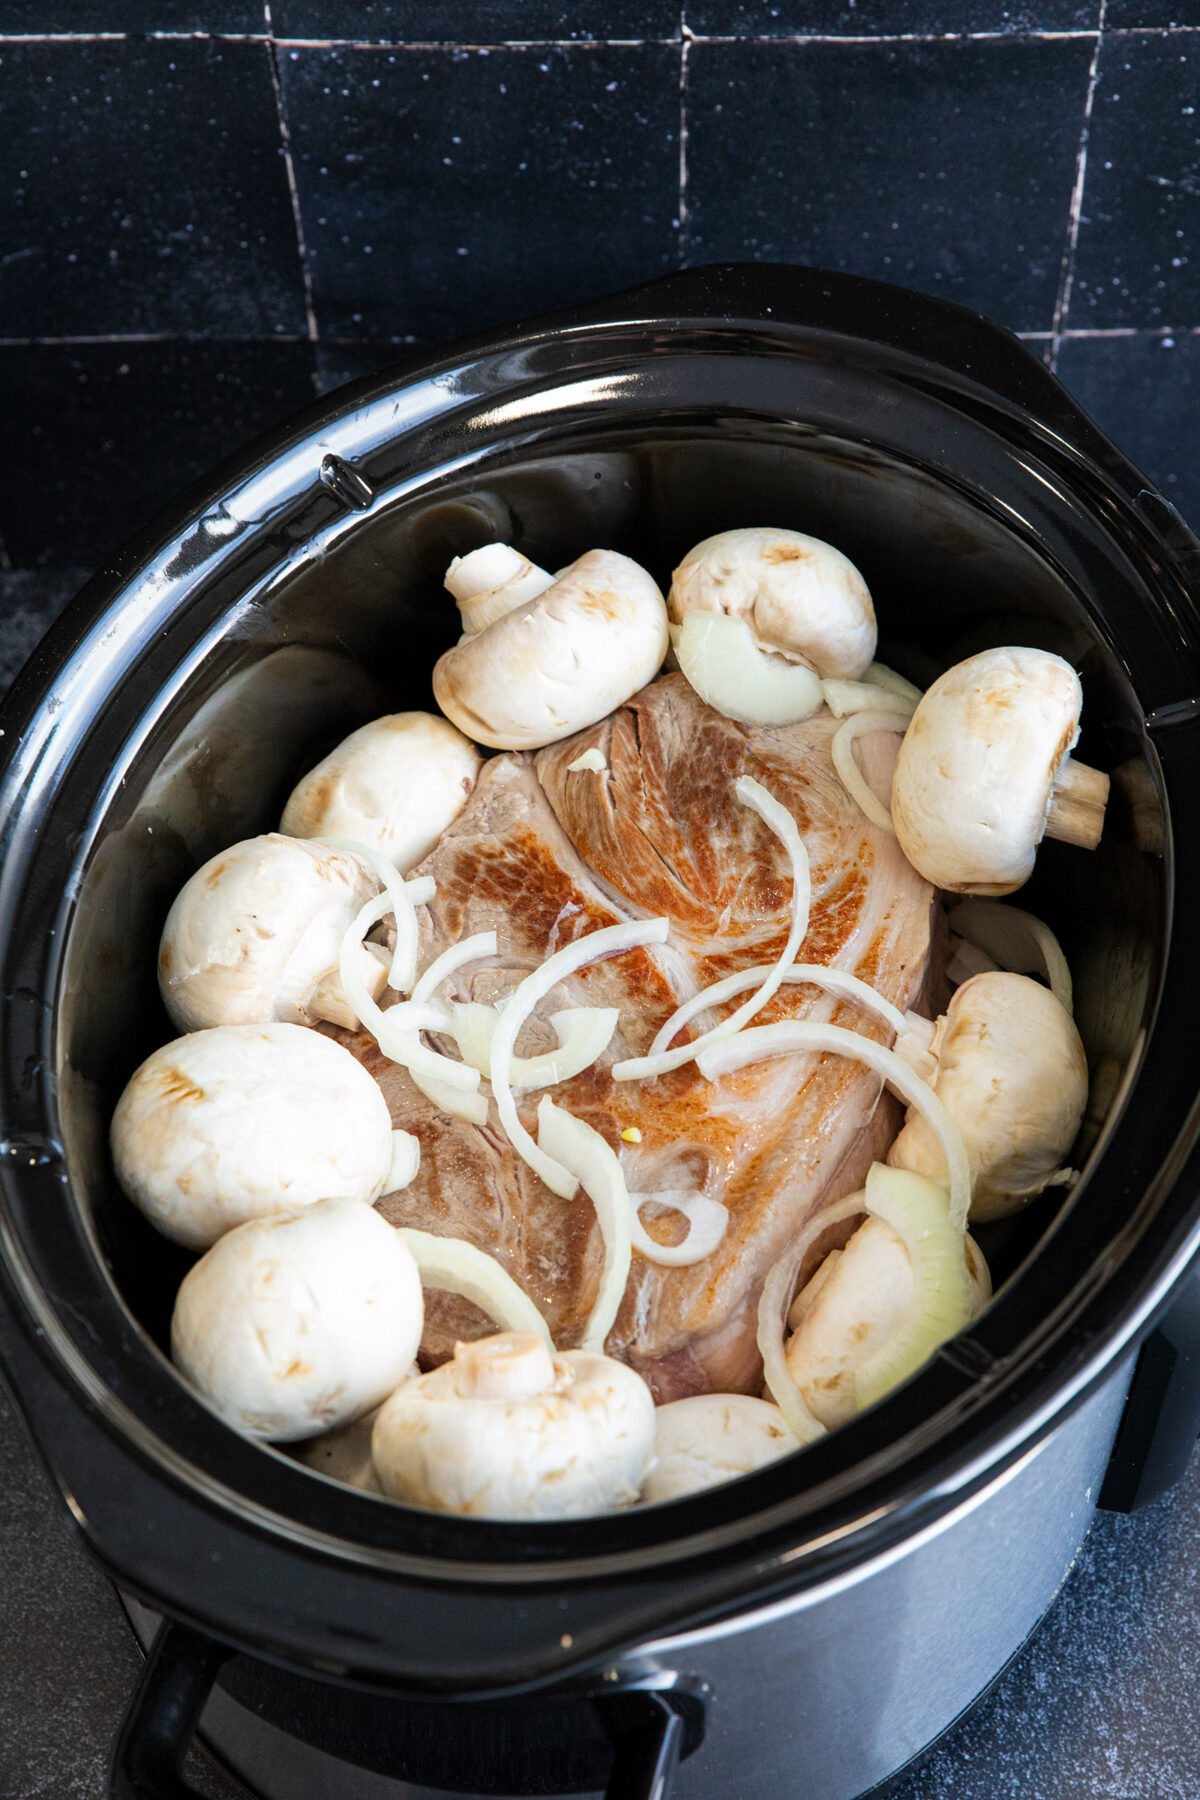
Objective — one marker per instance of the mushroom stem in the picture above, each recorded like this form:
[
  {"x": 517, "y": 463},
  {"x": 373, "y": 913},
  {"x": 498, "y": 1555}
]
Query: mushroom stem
[
  {"x": 511, "y": 1365},
  {"x": 1077, "y": 802},
  {"x": 493, "y": 581},
  {"x": 329, "y": 1001}
]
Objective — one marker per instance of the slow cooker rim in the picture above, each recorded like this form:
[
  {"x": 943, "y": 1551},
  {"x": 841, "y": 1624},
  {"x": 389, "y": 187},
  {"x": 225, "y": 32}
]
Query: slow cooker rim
[{"x": 117, "y": 585}]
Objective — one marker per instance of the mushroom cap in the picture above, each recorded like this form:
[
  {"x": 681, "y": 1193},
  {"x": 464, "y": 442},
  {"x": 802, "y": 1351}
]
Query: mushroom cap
[
  {"x": 710, "y": 1438},
  {"x": 559, "y": 661},
  {"x": 1012, "y": 1073},
  {"x": 801, "y": 598},
  {"x": 253, "y": 931},
  {"x": 245, "y": 1121},
  {"x": 849, "y": 1310},
  {"x": 395, "y": 785},
  {"x": 973, "y": 782},
  {"x": 295, "y": 1325},
  {"x": 581, "y": 1446}
]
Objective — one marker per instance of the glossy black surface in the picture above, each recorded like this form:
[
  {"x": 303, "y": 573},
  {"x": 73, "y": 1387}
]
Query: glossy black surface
[
  {"x": 581, "y": 150},
  {"x": 972, "y": 519},
  {"x": 896, "y": 160},
  {"x": 149, "y": 195},
  {"x": 1137, "y": 261},
  {"x": 1146, "y": 393}
]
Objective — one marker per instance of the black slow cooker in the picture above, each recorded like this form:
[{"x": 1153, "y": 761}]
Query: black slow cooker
[{"x": 808, "y": 1628}]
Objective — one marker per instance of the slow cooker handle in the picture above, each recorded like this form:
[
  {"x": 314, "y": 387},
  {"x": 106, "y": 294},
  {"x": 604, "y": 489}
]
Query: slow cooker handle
[{"x": 162, "y": 1716}]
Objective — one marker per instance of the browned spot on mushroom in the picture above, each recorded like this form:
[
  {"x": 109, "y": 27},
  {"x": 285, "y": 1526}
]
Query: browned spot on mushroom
[
  {"x": 175, "y": 1085},
  {"x": 786, "y": 553},
  {"x": 215, "y": 874}
]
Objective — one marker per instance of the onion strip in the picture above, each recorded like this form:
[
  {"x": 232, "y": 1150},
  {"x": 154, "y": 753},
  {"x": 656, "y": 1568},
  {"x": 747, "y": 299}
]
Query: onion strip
[
  {"x": 397, "y": 1036},
  {"x": 751, "y": 793},
  {"x": 847, "y": 697},
  {"x": 597, "y": 944},
  {"x": 708, "y": 1221},
  {"x": 460, "y": 1268},
  {"x": 834, "y": 981},
  {"x": 406, "y": 1160},
  {"x": 470, "y": 949},
  {"x": 1016, "y": 940},
  {"x": 583, "y": 1033},
  {"x": 591, "y": 1161},
  {"x": 841, "y": 751},
  {"x": 879, "y": 675},
  {"x": 774, "y": 1305},
  {"x": 917, "y": 1212},
  {"x": 404, "y": 956},
  {"x": 792, "y": 1035}
]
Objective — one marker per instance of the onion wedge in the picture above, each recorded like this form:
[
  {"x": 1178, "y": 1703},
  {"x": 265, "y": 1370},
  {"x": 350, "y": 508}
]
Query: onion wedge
[
  {"x": 841, "y": 750},
  {"x": 1016, "y": 941},
  {"x": 406, "y": 1160},
  {"x": 611, "y": 941},
  {"x": 846, "y": 697},
  {"x": 751, "y": 793},
  {"x": 461, "y": 1268},
  {"x": 918, "y": 1212},
  {"x": 879, "y": 675},
  {"x": 834, "y": 981},
  {"x": 773, "y": 1307},
  {"x": 583, "y": 1033},
  {"x": 595, "y": 1166},
  {"x": 726, "y": 666},
  {"x": 708, "y": 1221},
  {"x": 792, "y": 1035}
]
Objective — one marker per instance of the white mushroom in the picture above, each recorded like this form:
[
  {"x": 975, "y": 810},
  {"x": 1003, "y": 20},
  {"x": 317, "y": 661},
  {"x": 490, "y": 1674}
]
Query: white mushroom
[
  {"x": 759, "y": 616},
  {"x": 984, "y": 772},
  {"x": 1008, "y": 1065},
  {"x": 244, "y": 1121},
  {"x": 295, "y": 1325},
  {"x": 843, "y": 1317},
  {"x": 508, "y": 1431},
  {"x": 345, "y": 1454},
  {"x": 552, "y": 663},
  {"x": 711, "y": 1438},
  {"x": 395, "y": 784},
  {"x": 256, "y": 933}
]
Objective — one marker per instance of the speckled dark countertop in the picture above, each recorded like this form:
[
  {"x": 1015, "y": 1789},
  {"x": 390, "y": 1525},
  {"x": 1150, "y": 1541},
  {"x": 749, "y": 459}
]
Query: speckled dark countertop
[{"x": 1099, "y": 1706}]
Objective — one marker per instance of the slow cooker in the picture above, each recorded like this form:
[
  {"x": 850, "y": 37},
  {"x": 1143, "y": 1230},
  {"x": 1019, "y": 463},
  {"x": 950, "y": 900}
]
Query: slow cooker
[{"x": 806, "y": 1629}]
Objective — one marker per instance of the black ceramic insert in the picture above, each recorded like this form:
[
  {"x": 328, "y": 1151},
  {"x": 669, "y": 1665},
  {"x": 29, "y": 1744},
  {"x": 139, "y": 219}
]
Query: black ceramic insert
[
  {"x": 1145, "y": 392},
  {"x": 148, "y": 192},
  {"x": 943, "y": 166},
  {"x": 1137, "y": 263},
  {"x": 441, "y": 190},
  {"x": 886, "y": 18},
  {"x": 203, "y": 397}
]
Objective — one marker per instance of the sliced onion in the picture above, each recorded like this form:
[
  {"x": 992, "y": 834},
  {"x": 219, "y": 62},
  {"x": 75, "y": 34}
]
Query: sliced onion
[
  {"x": 879, "y": 675},
  {"x": 775, "y": 1304},
  {"x": 583, "y": 1033},
  {"x": 792, "y": 1035},
  {"x": 453, "y": 1100},
  {"x": 845, "y": 697},
  {"x": 591, "y": 759},
  {"x": 611, "y": 941},
  {"x": 395, "y": 1031},
  {"x": 595, "y": 1166},
  {"x": 751, "y": 793},
  {"x": 725, "y": 665},
  {"x": 461, "y": 1268},
  {"x": 1017, "y": 940},
  {"x": 834, "y": 981},
  {"x": 470, "y": 949},
  {"x": 708, "y": 1221},
  {"x": 404, "y": 957},
  {"x": 841, "y": 751},
  {"x": 919, "y": 1213},
  {"x": 966, "y": 960},
  {"x": 406, "y": 1160}
]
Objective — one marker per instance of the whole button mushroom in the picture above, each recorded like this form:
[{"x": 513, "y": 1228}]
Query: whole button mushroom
[
  {"x": 798, "y": 609},
  {"x": 290, "y": 1327},
  {"x": 506, "y": 1430},
  {"x": 844, "y": 1316},
  {"x": 710, "y": 1438},
  {"x": 244, "y": 1121},
  {"x": 255, "y": 936},
  {"x": 1007, "y": 1063},
  {"x": 395, "y": 784},
  {"x": 984, "y": 772},
  {"x": 558, "y": 660}
]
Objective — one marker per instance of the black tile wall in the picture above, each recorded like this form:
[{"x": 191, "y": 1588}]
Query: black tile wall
[
  {"x": 445, "y": 189},
  {"x": 147, "y": 192},
  {"x": 946, "y": 166},
  {"x": 133, "y": 16},
  {"x": 886, "y": 18},
  {"x": 1145, "y": 393},
  {"x": 474, "y": 21},
  {"x": 99, "y": 436},
  {"x": 1137, "y": 261},
  {"x": 1131, "y": 14}
]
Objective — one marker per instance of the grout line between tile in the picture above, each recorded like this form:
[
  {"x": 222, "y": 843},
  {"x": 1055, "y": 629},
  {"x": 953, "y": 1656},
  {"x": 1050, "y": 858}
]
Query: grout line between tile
[
  {"x": 426, "y": 44},
  {"x": 682, "y": 241},
  {"x": 1067, "y": 275},
  {"x": 286, "y": 142}
]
